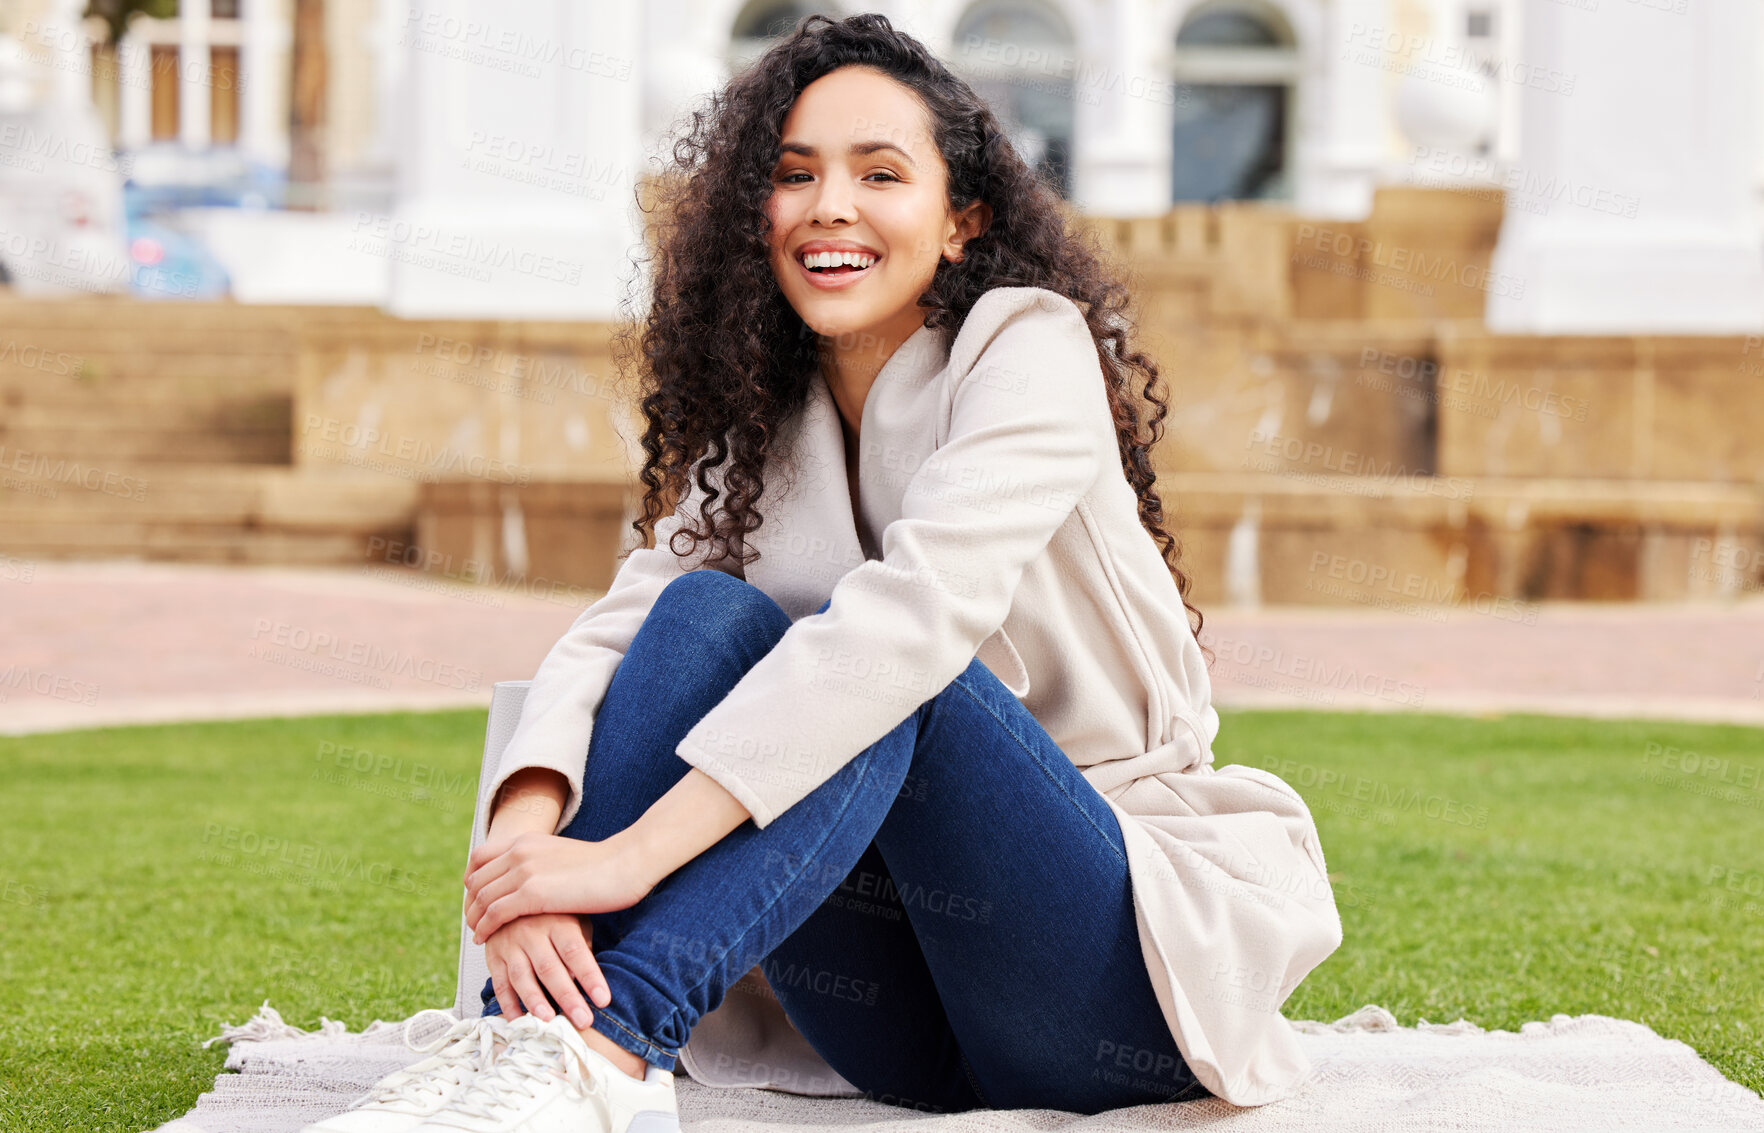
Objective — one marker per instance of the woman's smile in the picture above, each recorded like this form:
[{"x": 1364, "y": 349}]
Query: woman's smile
[
  {"x": 837, "y": 276},
  {"x": 859, "y": 215}
]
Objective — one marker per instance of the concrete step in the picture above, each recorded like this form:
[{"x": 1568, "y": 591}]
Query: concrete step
[
  {"x": 108, "y": 443},
  {"x": 1415, "y": 544},
  {"x": 202, "y": 513},
  {"x": 66, "y": 372},
  {"x": 199, "y": 543}
]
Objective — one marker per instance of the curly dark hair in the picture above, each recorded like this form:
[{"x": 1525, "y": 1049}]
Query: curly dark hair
[{"x": 725, "y": 360}]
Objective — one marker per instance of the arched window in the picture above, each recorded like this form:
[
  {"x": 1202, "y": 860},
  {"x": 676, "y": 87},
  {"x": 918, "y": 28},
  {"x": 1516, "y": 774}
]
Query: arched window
[
  {"x": 762, "y": 23},
  {"x": 1019, "y": 58},
  {"x": 1234, "y": 69}
]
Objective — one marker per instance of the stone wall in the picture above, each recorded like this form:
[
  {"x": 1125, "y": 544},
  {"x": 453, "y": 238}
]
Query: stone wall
[{"x": 1338, "y": 434}]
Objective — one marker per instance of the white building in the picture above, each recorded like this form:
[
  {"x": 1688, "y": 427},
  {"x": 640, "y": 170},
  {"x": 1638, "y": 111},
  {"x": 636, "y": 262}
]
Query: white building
[{"x": 478, "y": 157}]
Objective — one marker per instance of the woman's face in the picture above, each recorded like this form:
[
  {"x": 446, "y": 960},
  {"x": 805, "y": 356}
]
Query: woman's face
[{"x": 859, "y": 171}]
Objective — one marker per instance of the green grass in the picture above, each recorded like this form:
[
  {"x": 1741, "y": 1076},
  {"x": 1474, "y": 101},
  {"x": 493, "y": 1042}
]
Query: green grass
[{"x": 1500, "y": 870}]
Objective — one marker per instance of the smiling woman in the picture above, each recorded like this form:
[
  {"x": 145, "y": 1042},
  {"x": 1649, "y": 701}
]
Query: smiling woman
[
  {"x": 924, "y": 743},
  {"x": 859, "y": 220}
]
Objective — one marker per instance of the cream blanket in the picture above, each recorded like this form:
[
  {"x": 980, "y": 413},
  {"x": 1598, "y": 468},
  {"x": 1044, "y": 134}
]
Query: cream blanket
[{"x": 1572, "y": 1074}]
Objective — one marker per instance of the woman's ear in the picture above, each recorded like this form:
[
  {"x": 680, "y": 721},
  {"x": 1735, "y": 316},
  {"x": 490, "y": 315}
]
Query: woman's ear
[{"x": 971, "y": 222}]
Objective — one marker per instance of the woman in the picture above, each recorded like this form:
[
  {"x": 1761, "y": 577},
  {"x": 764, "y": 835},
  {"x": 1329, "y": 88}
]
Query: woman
[{"x": 930, "y": 751}]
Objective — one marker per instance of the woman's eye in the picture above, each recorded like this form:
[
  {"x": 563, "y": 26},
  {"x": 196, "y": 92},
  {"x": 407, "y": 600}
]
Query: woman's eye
[{"x": 790, "y": 178}]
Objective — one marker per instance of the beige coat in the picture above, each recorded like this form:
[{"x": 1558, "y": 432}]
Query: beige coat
[{"x": 997, "y": 522}]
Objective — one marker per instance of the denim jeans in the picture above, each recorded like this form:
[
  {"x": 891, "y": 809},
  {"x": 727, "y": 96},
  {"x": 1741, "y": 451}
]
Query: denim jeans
[{"x": 947, "y": 920}]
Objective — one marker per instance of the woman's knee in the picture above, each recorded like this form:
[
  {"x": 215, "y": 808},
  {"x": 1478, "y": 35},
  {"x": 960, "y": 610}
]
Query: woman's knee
[{"x": 708, "y": 601}]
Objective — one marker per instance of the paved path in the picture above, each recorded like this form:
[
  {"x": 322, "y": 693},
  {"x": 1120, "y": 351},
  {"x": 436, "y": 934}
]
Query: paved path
[{"x": 89, "y": 644}]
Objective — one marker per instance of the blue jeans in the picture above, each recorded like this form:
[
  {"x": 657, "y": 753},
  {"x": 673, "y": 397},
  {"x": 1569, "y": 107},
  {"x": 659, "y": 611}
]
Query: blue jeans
[{"x": 947, "y": 919}]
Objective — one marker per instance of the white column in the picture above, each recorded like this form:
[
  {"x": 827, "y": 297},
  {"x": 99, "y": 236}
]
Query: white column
[
  {"x": 1122, "y": 122},
  {"x": 686, "y": 59},
  {"x": 1651, "y": 225},
  {"x": 390, "y": 85},
  {"x": 522, "y": 142},
  {"x": 64, "y": 35},
  {"x": 263, "y": 70},
  {"x": 194, "y": 79},
  {"x": 1340, "y": 157},
  {"x": 134, "y": 96}
]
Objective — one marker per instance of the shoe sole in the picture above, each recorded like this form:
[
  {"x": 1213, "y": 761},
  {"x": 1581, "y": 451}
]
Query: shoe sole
[{"x": 654, "y": 1121}]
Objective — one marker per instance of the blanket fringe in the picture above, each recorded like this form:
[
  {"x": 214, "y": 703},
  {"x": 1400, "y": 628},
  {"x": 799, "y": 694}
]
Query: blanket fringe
[
  {"x": 1373, "y": 1019},
  {"x": 268, "y": 1026}
]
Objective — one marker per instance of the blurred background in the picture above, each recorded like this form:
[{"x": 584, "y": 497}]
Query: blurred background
[
  {"x": 1461, "y": 302},
  {"x": 309, "y": 436}
]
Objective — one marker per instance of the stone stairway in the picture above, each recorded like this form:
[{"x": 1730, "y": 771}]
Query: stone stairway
[
  {"x": 163, "y": 431},
  {"x": 1343, "y": 429}
]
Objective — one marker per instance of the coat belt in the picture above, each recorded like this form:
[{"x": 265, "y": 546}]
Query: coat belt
[{"x": 1186, "y": 749}]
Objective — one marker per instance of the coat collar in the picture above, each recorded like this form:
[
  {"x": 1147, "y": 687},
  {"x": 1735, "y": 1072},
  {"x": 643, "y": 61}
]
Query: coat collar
[{"x": 814, "y": 540}]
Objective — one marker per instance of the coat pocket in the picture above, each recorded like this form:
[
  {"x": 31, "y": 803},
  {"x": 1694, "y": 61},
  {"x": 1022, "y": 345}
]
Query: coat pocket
[{"x": 999, "y": 655}]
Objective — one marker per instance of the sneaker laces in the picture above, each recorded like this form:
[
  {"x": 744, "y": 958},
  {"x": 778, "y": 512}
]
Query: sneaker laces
[
  {"x": 529, "y": 1061},
  {"x": 453, "y": 1053}
]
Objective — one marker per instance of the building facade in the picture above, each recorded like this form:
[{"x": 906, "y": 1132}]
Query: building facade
[{"x": 474, "y": 158}]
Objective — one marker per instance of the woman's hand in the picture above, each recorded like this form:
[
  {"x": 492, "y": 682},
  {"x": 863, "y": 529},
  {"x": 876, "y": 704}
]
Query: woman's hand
[
  {"x": 550, "y": 949},
  {"x": 547, "y": 873}
]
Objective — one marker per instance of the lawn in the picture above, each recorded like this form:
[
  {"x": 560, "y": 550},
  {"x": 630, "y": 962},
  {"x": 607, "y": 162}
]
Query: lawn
[{"x": 160, "y": 881}]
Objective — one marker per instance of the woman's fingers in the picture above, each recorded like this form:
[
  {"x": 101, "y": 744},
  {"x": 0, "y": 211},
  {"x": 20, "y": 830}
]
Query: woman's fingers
[
  {"x": 487, "y": 895},
  {"x": 498, "y": 903},
  {"x": 485, "y": 873},
  {"x": 577, "y": 955},
  {"x": 483, "y": 852},
  {"x": 520, "y": 974},
  {"x": 505, "y": 996},
  {"x": 510, "y": 906},
  {"x": 557, "y": 978}
]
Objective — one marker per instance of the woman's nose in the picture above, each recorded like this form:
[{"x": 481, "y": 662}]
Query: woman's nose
[{"x": 833, "y": 201}]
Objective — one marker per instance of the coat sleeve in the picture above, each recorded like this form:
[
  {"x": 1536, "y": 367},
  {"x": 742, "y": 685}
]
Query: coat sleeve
[
  {"x": 1029, "y": 417},
  {"x": 557, "y": 716}
]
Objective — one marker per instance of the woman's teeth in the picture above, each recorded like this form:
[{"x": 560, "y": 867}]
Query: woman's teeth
[{"x": 838, "y": 262}]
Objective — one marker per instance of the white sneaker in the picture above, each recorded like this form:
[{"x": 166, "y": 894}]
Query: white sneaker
[
  {"x": 400, "y": 1101},
  {"x": 547, "y": 1080}
]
